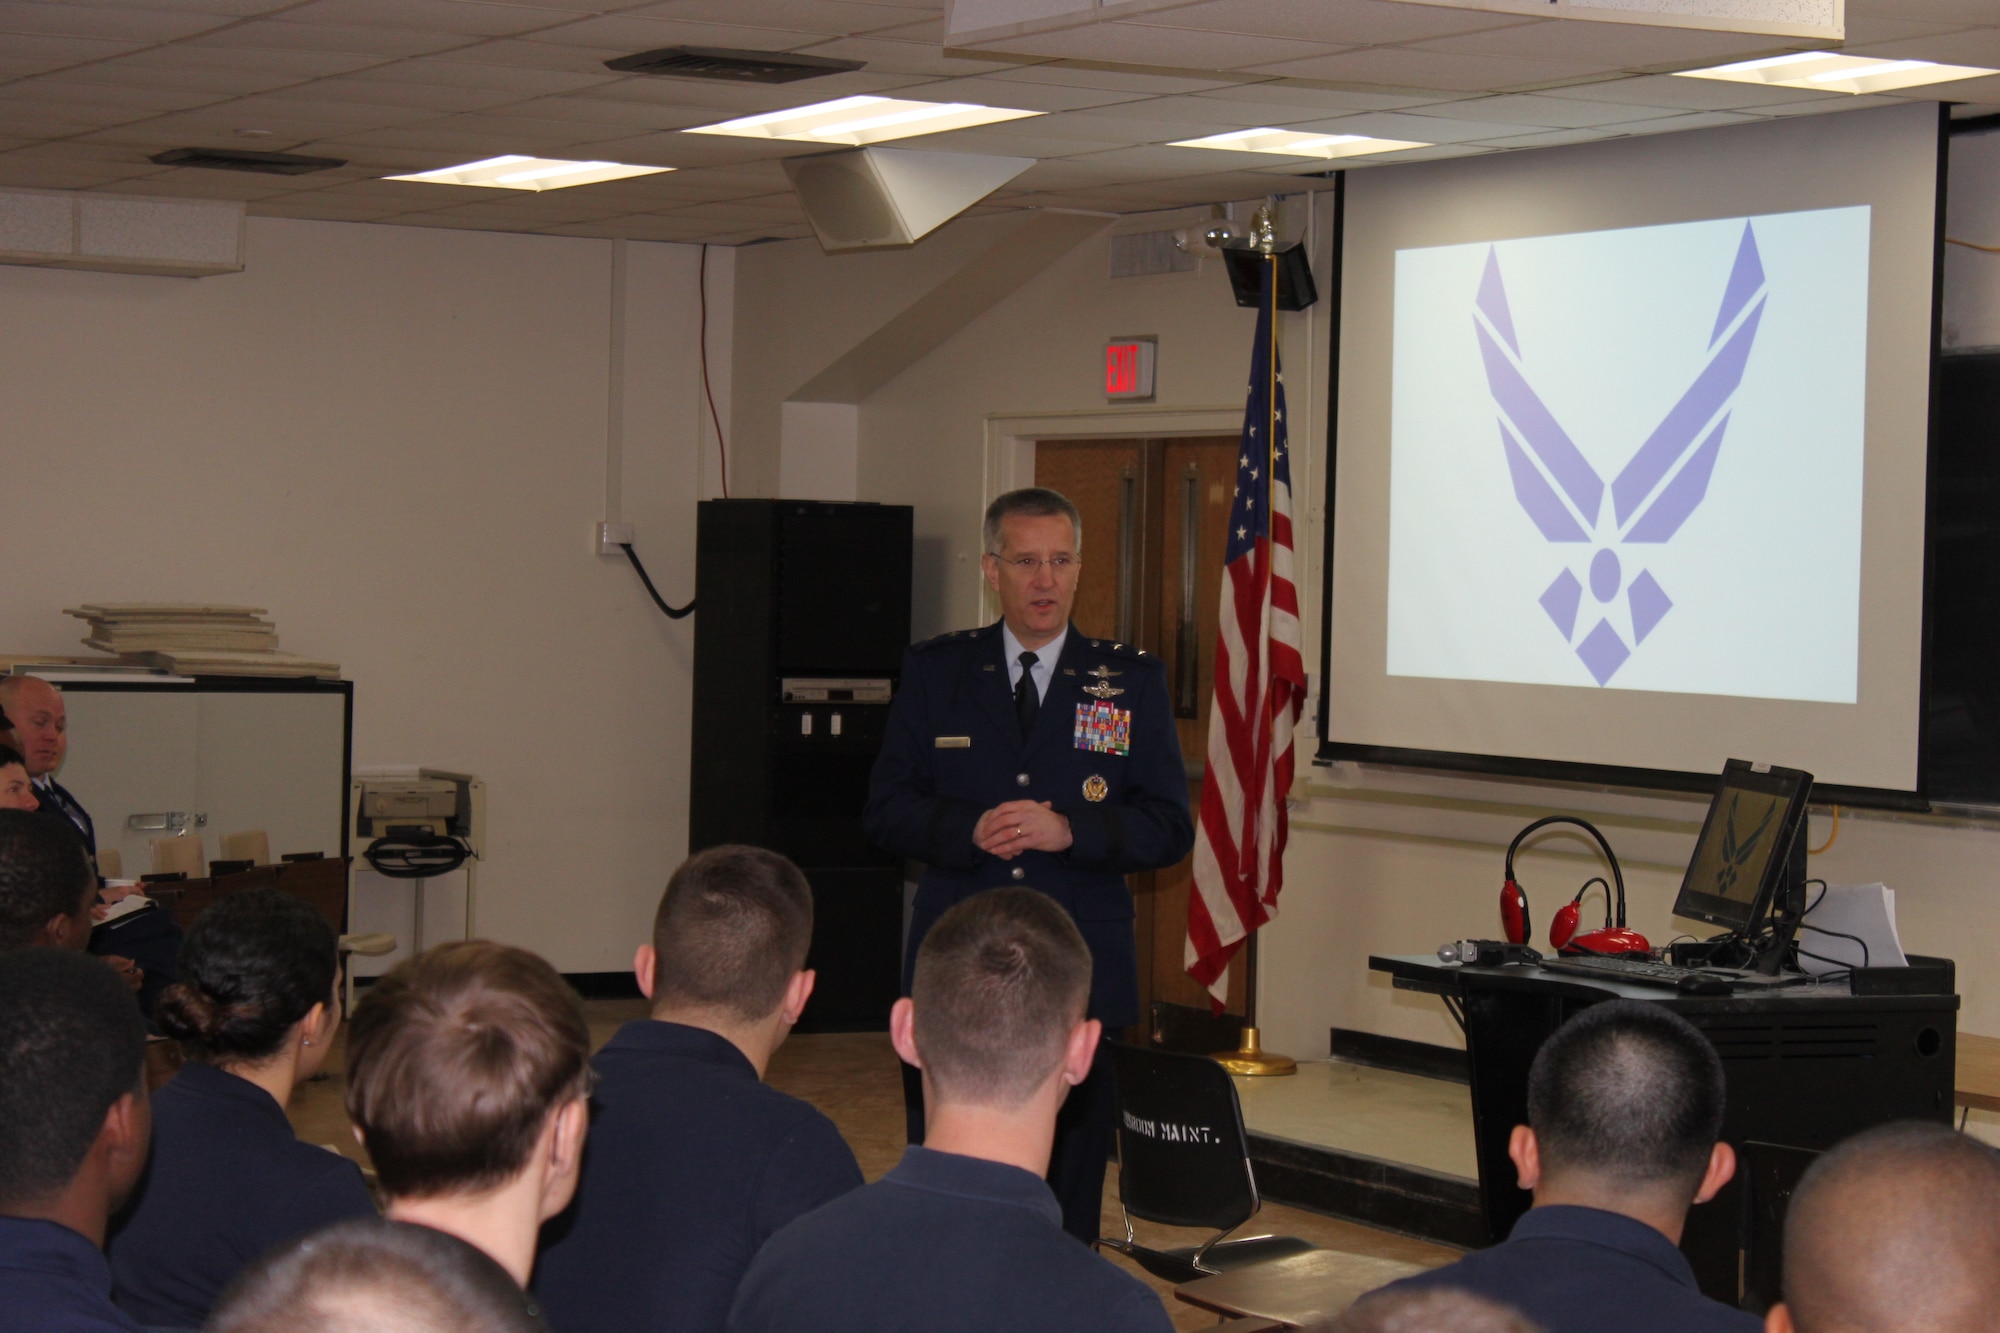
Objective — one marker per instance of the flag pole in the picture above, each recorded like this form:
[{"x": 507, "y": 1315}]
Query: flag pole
[{"x": 1250, "y": 1058}]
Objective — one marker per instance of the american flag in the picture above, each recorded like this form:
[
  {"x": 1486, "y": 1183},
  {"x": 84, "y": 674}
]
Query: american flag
[{"x": 1260, "y": 687}]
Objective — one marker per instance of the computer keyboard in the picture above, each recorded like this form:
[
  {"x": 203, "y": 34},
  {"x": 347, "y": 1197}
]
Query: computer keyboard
[{"x": 1635, "y": 970}]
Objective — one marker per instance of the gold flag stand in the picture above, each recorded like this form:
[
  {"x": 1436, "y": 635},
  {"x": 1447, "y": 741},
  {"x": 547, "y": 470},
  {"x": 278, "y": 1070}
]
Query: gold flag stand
[{"x": 1250, "y": 1059}]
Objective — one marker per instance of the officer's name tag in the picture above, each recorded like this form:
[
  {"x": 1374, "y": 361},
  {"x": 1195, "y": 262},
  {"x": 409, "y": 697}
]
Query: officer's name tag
[
  {"x": 953, "y": 742},
  {"x": 1103, "y": 729}
]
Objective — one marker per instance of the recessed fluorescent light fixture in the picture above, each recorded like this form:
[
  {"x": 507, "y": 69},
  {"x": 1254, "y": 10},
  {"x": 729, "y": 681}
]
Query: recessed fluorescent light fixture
[
  {"x": 514, "y": 172},
  {"x": 1293, "y": 143},
  {"x": 856, "y": 121},
  {"x": 1827, "y": 72}
]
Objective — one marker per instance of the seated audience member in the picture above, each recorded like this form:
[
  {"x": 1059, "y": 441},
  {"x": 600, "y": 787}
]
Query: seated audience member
[
  {"x": 255, "y": 1011},
  {"x": 376, "y": 1277},
  {"x": 73, "y": 1134},
  {"x": 691, "y": 1156},
  {"x": 46, "y": 883},
  {"x": 17, "y": 791},
  {"x": 1897, "y": 1230},
  {"x": 1441, "y": 1310},
  {"x": 1624, "y": 1106},
  {"x": 964, "y": 1233},
  {"x": 468, "y": 1074}
]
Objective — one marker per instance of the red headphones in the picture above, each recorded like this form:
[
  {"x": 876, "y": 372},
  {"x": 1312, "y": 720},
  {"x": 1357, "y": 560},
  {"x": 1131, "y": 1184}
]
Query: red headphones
[{"x": 1613, "y": 940}]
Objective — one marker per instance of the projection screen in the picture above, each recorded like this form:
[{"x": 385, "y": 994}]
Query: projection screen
[{"x": 1630, "y": 452}]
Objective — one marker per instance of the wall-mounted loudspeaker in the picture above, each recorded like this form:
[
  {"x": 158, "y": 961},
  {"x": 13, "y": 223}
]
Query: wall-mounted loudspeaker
[{"x": 876, "y": 198}]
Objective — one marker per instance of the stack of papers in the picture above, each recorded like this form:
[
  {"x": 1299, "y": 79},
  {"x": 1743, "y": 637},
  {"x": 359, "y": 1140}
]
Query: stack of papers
[
  {"x": 194, "y": 639},
  {"x": 1865, "y": 911}
]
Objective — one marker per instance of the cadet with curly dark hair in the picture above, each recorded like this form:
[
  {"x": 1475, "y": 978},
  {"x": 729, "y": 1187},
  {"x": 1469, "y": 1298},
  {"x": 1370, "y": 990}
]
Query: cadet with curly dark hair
[{"x": 254, "y": 1011}]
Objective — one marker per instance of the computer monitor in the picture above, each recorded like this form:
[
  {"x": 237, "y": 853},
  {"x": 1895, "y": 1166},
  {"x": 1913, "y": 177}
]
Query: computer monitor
[{"x": 1745, "y": 853}]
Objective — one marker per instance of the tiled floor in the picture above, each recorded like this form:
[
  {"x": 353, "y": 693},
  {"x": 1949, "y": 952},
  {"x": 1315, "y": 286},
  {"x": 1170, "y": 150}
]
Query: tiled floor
[{"x": 854, "y": 1078}]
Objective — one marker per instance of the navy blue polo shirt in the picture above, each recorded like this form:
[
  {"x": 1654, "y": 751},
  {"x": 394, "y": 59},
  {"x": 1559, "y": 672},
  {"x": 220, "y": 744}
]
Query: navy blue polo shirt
[
  {"x": 691, "y": 1164},
  {"x": 53, "y": 1280},
  {"x": 1584, "y": 1270},
  {"x": 228, "y": 1180},
  {"x": 942, "y": 1241}
]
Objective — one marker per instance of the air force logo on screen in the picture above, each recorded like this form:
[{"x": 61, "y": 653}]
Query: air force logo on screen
[
  {"x": 1632, "y": 459},
  {"x": 1650, "y": 497}
]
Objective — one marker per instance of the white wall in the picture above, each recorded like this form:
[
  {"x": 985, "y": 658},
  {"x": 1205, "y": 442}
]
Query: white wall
[{"x": 396, "y": 439}]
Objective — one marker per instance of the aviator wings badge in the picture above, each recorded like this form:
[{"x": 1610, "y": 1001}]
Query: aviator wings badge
[
  {"x": 1103, "y": 689},
  {"x": 1660, "y": 487}
]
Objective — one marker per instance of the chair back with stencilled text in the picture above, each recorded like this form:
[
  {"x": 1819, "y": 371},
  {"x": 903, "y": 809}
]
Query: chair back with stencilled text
[{"x": 1184, "y": 1159}]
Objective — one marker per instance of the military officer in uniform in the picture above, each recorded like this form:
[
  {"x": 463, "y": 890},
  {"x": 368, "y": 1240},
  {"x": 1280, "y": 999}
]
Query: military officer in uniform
[{"x": 1025, "y": 753}]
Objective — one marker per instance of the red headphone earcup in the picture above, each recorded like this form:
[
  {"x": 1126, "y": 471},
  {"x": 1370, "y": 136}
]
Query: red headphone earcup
[
  {"x": 1564, "y": 926},
  {"x": 1514, "y": 913}
]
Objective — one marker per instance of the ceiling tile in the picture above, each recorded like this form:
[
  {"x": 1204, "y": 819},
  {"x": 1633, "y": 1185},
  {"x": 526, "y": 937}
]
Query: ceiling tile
[
  {"x": 1819, "y": 105},
  {"x": 1019, "y": 95},
  {"x": 885, "y": 56},
  {"x": 1416, "y": 126},
  {"x": 1137, "y": 44},
  {"x": 525, "y": 134},
  {"x": 53, "y": 52},
  {"x": 1296, "y": 101},
  {"x": 642, "y": 227},
  {"x": 1346, "y": 22},
  {"x": 433, "y": 97},
  {"x": 455, "y": 16},
  {"x": 627, "y": 117},
  {"x": 1552, "y": 111},
  {"x": 194, "y": 184},
  {"x": 215, "y": 83},
  {"x": 228, "y": 8},
  {"x": 112, "y": 100},
  {"x": 1402, "y": 68},
  {"x": 316, "y": 207},
  {"x": 441, "y": 72},
  {"x": 33, "y": 17},
  {"x": 28, "y": 174},
  {"x": 1116, "y": 80},
  {"x": 1013, "y": 139},
  {"x": 274, "y": 35},
  {"x": 729, "y": 99},
  {"x": 283, "y": 67},
  {"x": 1878, "y": 28},
  {"x": 671, "y": 148},
  {"x": 1617, "y": 44},
  {"x": 1548, "y": 138},
  {"x": 1693, "y": 120},
  {"x": 822, "y": 16},
  {"x": 512, "y": 53},
  {"x": 630, "y": 34}
]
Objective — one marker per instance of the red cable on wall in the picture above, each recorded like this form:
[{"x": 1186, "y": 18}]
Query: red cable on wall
[{"x": 721, "y": 449}]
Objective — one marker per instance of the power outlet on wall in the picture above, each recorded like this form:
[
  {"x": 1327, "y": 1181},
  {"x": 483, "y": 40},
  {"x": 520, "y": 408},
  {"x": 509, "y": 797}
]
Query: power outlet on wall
[{"x": 612, "y": 538}]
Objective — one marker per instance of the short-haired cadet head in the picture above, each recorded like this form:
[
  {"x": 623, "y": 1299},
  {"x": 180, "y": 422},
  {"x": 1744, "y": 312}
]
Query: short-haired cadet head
[
  {"x": 965, "y": 1232},
  {"x": 1625, "y": 1106},
  {"x": 371, "y": 1276},
  {"x": 691, "y": 1154},
  {"x": 74, "y": 1128},
  {"x": 729, "y": 948},
  {"x": 17, "y": 790},
  {"x": 255, "y": 1011},
  {"x": 1033, "y": 558},
  {"x": 995, "y": 1017},
  {"x": 47, "y": 885},
  {"x": 1896, "y": 1230},
  {"x": 467, "y": 1078}
]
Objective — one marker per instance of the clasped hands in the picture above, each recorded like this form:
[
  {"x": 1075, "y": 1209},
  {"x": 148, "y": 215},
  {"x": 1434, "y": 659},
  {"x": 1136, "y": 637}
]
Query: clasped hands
[{"x": 1014, "y": 827}]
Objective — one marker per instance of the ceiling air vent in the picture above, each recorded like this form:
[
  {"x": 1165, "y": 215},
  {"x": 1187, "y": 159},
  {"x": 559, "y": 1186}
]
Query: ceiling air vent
[
  {"x": 712, "y": 62},
  {"x": 1149, "y": 253},
  {"x": 239, "y": 159}
]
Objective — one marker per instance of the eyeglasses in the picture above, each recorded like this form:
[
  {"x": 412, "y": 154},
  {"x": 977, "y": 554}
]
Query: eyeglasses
[{"x": 1028, "y": 564}]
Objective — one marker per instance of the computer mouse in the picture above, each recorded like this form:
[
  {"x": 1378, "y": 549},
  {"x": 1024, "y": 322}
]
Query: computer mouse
[{"x": 1700, "y": 985}]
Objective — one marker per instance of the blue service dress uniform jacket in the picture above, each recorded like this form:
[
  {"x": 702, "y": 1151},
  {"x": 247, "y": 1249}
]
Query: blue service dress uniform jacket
[{"x": 1103, "y": 751}]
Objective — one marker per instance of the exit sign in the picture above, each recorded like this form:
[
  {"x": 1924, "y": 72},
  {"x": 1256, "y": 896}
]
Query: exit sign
[{"x": 1128, "y": 368}]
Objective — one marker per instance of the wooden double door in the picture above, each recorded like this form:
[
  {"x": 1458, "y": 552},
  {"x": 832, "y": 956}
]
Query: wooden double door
[{"x": 1155, "y": 523}]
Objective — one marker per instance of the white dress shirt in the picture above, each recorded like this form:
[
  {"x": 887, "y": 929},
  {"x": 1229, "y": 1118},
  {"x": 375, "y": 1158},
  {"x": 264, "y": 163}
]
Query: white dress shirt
[{"x": 1045, "y": 660}]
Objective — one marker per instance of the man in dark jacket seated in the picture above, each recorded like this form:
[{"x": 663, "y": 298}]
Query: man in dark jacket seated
[
  {"x": 1624, "y": 1109},
  {"x": 964, "y": 1234}
]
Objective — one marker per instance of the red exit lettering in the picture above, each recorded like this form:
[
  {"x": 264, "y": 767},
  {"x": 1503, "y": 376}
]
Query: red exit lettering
[{"x": 1121, "y": 368}]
